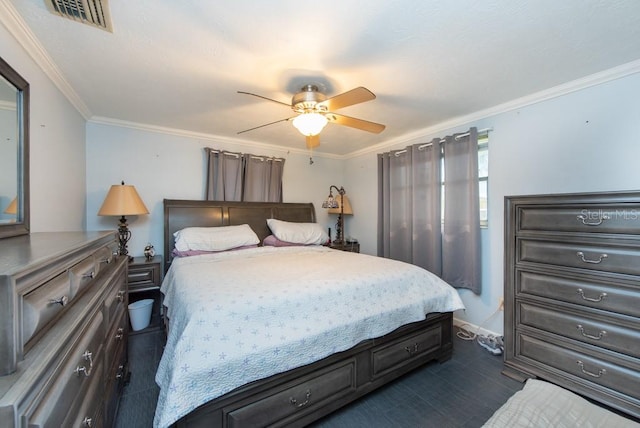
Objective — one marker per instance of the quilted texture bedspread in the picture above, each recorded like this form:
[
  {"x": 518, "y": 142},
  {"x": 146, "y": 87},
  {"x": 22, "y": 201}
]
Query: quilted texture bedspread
[{"x": 240, "y": 316}]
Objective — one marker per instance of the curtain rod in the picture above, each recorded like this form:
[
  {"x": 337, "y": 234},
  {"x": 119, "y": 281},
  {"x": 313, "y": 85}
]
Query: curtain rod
[
  {"x": 443, "y": 140},
  {"x": 466, "y": 134},
  {"x": 238, "y": 155}
]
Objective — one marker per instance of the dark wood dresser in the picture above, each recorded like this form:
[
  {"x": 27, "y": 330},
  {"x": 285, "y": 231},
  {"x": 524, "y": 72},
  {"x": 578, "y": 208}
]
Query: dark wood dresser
[
  {"x": 572, "y": 293},
  {"x": 63, "y": 318}
]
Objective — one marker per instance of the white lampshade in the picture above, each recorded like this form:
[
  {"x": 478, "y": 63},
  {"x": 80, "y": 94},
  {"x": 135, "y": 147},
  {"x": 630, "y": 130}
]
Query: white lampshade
[
  {"x": 122, "y": 199},
  {"x": 347, "y": 206},
  {"x": 310, "y": 124}
]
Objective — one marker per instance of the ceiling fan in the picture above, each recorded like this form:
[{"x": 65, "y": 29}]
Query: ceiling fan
[{"x": 314, "y": 110}]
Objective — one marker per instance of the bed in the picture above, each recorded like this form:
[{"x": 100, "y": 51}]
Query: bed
[{"x": 295, "y": 337}]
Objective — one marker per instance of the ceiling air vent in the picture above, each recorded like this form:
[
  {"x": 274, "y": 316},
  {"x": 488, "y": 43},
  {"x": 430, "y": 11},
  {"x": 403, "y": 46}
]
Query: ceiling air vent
[{"x": 91, "y": 12}]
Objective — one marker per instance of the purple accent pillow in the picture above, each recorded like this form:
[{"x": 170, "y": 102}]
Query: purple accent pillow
[
  {"x": 176, "y": 253},
  {"x": 272, "y": 241}
]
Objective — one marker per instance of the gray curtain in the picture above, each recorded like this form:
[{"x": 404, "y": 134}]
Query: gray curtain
[
  {"x": 263, "y": 179},
  {"x": 461, "y": 236},
  {"x": 243, "y": 177},
  {"x": 410, "y": 208},
  {"x": 224, "y": 175}
]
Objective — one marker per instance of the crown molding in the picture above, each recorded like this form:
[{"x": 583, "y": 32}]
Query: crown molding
[
  {"x": 204, "y": 136},
  {"x": 14, "y": 23},
  {"x": 547, "y": 94}
]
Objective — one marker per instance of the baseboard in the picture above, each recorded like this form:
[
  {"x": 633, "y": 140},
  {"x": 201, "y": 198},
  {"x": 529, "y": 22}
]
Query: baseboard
[{"x": 473, "y": 328}]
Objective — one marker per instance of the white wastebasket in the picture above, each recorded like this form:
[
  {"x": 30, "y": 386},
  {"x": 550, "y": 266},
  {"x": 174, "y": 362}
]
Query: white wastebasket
[{"x": 140, "y": 314}]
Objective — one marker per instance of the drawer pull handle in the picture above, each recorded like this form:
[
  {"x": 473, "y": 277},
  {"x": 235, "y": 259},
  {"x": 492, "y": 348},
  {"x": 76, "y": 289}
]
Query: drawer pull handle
[
  {"x": 87, "y": 422},
  {"x": 62, "y": 301},
  {"x": 590, "y": 336},
  {"x": 294, "y": 402},
  {"x": 599, "y": 374},
  {"x": 106, "y": 260},
  {"x": 120, "y": 373},
  {"x": 120, "y": 333},
  {"x": 591, "y": 299},
  {"x": 120, "y": 295},
  {"x": 412, "y": 350},
  {"x": 601, "y": 219},
  {"x": 600, "y": 258},
  {"x": 82, "y": 369},
  {"x": 89, "y": 275}
]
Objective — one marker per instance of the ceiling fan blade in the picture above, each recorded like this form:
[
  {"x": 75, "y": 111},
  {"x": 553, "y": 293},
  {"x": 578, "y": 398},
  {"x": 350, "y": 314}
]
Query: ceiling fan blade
[
  {"x": 352, "y": 122},
  {"x": 265, "y": 98},
  {"x": 313, "y": 141},
  {"x": 349, "y": 98},
  {"x": 266, "y": 124}
]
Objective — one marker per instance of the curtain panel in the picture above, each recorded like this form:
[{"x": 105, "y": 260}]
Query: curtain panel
[
  {"x": 243, "y": 177},
  {"x": 410, "y": 212}
]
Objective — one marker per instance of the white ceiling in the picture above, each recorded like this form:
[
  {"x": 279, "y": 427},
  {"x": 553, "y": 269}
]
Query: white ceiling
[{"x": 178, "y": 64}]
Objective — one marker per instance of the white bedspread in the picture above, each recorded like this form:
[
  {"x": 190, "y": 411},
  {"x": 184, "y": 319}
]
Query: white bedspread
[{"x": 245, "y": 315}]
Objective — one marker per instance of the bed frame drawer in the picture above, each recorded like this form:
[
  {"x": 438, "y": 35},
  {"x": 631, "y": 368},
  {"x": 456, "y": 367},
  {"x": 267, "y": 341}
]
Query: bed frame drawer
[
  {"x": 387, "y": 358},
  {"x": 312, "y": 392}
]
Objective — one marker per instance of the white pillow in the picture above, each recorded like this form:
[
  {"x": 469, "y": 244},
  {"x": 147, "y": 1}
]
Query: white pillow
[
  {"x": 215, "y": 238},
  {"x": 298, "y": 233}
]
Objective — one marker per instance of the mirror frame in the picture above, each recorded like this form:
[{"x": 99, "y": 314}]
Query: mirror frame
[{"x": 21, "y": 225}]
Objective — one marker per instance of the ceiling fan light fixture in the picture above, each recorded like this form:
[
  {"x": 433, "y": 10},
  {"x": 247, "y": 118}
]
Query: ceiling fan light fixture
[{"x": 310, "y": 124}]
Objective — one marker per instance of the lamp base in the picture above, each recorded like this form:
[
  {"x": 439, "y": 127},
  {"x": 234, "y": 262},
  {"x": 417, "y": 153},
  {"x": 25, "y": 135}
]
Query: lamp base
[{"x": 124, "y": 234}]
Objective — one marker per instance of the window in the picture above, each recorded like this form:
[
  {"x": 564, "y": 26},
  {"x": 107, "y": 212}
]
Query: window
[{"x": 483, "y": 179}]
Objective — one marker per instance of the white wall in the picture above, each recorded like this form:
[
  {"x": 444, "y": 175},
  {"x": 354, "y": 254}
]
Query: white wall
[
  {"x": 585, "y": 141},
  {"x": 162, "y": 165},
  {"x": 57, "y": 151}
]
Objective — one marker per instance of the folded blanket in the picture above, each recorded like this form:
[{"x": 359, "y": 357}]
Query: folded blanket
[{"x": 542, "y": 404}]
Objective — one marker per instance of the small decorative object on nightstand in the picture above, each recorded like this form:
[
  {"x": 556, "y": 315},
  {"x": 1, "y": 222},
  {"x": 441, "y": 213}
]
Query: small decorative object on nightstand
[
  {"x": 149, "y": 252},
  {"x": 144, "y": 279}
]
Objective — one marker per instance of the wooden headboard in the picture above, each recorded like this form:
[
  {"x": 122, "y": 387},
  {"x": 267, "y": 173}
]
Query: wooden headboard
[{"x": 179, "y": 214}]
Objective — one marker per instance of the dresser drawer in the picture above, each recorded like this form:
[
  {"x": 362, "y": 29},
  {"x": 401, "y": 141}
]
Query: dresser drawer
[
  {"x": 386, "y": 358},
  {"x": 598, "y": 332},
  {"x": 585, "y": 367},
  {"x": 88, "y": 409},
  {"x": 43, "y": 305},
  {"x": 336, "y": 380},
  {"x": 604, "y": 295},
  {"x": 116, "y": 339},
  {"x": 116, "y": 298},
  {"x": 585, "y": 255},
  {"x": 617, "y": 218},
  {"x": 82, "y": 275},
  {"x": 82, "y": 365},
  {"x": 105, "y": 256},
  {"x": 144, "y": 275}
]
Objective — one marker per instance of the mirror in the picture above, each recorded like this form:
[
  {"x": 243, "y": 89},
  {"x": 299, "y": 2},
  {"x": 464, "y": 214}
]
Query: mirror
[{"x": 14, "y": 152}]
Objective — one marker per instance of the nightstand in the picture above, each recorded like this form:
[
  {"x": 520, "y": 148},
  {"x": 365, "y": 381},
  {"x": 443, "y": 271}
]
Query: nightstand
[
  {"x": 352, "y": 247},
  {"x": 143, "y": 280}
]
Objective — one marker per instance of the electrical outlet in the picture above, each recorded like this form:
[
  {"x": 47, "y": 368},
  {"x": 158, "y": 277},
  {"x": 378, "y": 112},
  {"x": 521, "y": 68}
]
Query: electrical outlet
[{"x": 501, "y": 304}]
